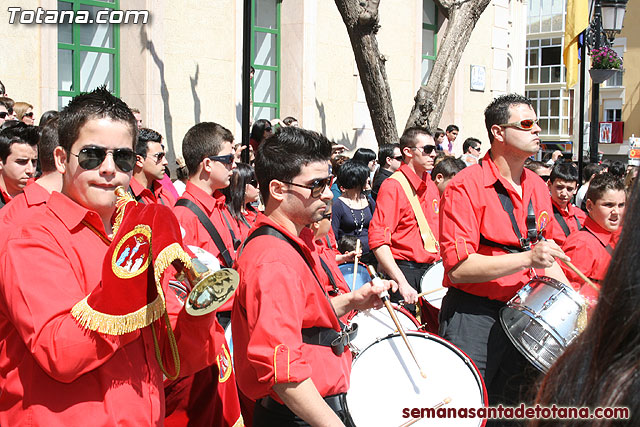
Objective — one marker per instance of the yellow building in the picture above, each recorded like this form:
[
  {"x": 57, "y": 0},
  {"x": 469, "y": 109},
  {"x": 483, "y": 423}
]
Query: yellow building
[{"x": 181, "y": 62}]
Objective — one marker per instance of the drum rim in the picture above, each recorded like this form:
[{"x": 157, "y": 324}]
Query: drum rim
[
  {"x": 571, "y": 293},
  {"x": 398, "y": 307},
  {"x": 465, "y": 358}
]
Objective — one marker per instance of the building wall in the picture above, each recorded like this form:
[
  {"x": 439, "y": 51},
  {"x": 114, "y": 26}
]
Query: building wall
[
  {"x": 184, "y": 66},
  {"x": 631, "y": 106},
  {"x": 497, "y": 39}
]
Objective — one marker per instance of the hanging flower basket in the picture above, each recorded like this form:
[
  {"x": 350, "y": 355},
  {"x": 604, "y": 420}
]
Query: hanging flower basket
[{"x": 600, "y": 75}]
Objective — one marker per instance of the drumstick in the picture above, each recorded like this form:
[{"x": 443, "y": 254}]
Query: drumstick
[
  {"x": 438, "y": 406},
  {"x": 425, "y": 293},
  {"x": 384, "y": 296},
  {"x": 355, "y": 265},
  {"x": 580, "y": 274}
]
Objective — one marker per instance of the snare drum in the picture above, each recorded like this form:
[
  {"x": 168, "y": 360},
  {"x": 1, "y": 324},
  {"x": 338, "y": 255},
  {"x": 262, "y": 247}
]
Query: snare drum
[
  {"x": 385, "y": 380},
  {"x": 543, "y": 318},
  {"x": 362, "y": 275},
  {"x": 376, "y": 324}
]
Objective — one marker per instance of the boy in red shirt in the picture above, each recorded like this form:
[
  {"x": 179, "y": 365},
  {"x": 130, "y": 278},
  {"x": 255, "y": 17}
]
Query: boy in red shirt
[
  {"x": 591, "y": 248},
  {"x": 563, "y": 185}
]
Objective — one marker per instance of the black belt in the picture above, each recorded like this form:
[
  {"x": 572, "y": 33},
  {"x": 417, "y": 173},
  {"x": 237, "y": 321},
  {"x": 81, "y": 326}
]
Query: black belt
[
  {"x": 336, "y": 402},
  {"x": 413, "y": 264}
]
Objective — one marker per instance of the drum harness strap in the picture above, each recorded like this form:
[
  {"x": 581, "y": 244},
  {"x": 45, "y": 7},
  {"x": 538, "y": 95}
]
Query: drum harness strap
[
  {"x": 236, "y": 242},
  {"x": 2, "y": 201},
  {"x": 562, "y": 222},
  {"x": 208, "y": 225},
  {"x": 608, "y": 247},
  {"x": 532, "y": 234},
  {"x": 316, "y": 335}
]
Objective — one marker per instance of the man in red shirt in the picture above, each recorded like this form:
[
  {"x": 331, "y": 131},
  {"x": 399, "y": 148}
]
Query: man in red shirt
[
  {"x": 36, "y": 194},
  {"x": 18, "y": 159},
  {"x": 151, "y": 160},
  {"x": 53, "y": 371},
  {"x": 488, "y": 256},
  {"x": 209, "y": 397},
  {"x": 395, "y": 237},
  {"x": 563, "y": 184},
  {"x": 591, "y": 248},
  {"x": 283, "y": 322}
]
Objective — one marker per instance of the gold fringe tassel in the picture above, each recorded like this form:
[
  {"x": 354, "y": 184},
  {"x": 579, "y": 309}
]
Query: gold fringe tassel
[
  {"x": 123, "y": 198},
  {"x": 117, "y": 324}
]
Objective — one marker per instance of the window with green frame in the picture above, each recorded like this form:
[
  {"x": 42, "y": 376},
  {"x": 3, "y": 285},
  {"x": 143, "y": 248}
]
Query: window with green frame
[
  {"x": 88, "y": 54},
  {"x": 429, "y": 38},
  {"x": 265, "y": 54}
]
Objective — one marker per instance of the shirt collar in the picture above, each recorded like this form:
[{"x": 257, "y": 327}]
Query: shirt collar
[
  {"x": 206, "y": 200},
  {"x": 491, "y": 174},
  {"x": 136, "y": 187},
  {"x": 262, "y": 219},
  {"x": 416, "y": 182},
  {"x": 72, "y": 214},
  {"x": 604, "y": 236},
  {"x": 5, "y": 196},
  {"x": 35, "y": 194}
]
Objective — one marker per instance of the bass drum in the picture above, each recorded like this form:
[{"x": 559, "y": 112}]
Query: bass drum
[
  {"x": 375, "y": 324},
  {"x": 362, "y": 275},
  {"x": 385, "y": 380}
]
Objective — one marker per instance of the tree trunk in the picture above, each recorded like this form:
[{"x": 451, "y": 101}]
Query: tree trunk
[
  {"x": 361, "y": 20},
  {"x": 431, "y": 98}
]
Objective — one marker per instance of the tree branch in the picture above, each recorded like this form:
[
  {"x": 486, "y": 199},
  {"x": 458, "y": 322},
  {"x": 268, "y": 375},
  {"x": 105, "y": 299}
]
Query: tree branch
[{"x": 369, "y": 13}]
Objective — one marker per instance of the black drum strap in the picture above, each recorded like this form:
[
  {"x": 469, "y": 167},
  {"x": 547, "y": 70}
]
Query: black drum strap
[
  {"x": 507, "y": 205},
  {"x": 208, "y": 225},
  {"x": 2, "y": 201},
  {"x": 327, "y": 337},
  {"x": 608, "y": 248},
  {"x": 558, "y": 215}
]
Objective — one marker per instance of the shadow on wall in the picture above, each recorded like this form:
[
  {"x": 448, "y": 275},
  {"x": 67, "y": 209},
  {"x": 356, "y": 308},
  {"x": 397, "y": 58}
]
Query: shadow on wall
[
  {"x": 164, "y": 93},
  {"x": 344, "y": 138},
  {"x": 196, "y": 99}
]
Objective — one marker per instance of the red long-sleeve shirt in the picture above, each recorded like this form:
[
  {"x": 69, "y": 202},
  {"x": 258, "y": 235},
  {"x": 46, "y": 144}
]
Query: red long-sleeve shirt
[{"x": 53, "y": 372}]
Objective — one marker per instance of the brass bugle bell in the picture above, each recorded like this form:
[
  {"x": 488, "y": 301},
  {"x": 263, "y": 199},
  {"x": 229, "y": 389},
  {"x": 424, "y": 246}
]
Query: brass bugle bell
[{"x": 209, "y": 290}]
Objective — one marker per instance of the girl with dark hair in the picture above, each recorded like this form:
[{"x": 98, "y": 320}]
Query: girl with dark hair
[
  {"x": 240, "y": 194},
  {"x": 366, "y": 157},
  {"x": 353, "y": 210},
  {"x": 600, "y": 368},
  {"x": 260, "y": 131}
]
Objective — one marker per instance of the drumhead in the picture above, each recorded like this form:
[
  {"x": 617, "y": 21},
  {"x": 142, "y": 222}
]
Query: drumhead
[
  {"x": 385, "y": 380},
  {"x": 433, "y": 279},
  {"x": 375, "y": 324},
  {"x": 229, "y": 338},
  {"x": 362, "y": 275}
]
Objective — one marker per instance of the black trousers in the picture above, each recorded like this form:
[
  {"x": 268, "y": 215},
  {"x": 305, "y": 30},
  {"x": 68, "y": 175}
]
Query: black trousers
[
  {"x": 269, "y": 413},
  {"x": 413, "y": 272},
  {"x": 472, "y": 323}
]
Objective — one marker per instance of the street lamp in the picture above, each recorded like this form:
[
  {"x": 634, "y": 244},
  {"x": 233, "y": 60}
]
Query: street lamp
[{"x": 606, "y": 23}]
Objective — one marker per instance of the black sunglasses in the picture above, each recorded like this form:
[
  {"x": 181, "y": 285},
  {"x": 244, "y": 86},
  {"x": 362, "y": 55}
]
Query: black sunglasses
[
  {"x": 398, "y": 158},
  {"x": 159, "y": 156},
  {"x": 226, "y": 159},
  {"x": 3, "y": 114},
  {"x": 30, "y": 114},
  {"x": 426, "y": 149},
  {"x": 92, "y": 157},
  {"x": 316, "y": 187},
  {"x": 254, "y": 183}
]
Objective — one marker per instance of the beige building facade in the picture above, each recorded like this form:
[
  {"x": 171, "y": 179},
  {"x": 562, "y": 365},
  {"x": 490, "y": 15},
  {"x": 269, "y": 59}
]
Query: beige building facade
[{"x": 184, "y": 64}]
